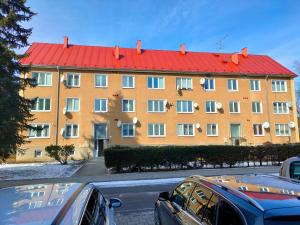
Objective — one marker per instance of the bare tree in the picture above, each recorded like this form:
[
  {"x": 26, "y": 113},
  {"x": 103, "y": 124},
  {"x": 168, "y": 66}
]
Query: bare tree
[{"x": 297, "y": 86}]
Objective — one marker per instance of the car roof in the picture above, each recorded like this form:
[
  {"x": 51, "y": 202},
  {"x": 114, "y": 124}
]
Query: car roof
[
  {"x": 265, "y": 192},
  {"x": 35, "y": 204}
]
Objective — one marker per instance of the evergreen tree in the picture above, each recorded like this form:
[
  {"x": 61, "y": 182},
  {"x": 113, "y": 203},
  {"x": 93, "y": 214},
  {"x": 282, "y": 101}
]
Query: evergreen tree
[{"x": 14, "y": 108}]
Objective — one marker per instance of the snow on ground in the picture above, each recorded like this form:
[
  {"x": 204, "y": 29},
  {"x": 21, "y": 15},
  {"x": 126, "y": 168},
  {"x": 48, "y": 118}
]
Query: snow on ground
[{"x": 37, "y": 170}]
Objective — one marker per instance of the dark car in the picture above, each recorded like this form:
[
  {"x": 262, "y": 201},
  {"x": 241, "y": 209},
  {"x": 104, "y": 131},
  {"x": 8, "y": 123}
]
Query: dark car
[
  {"x": 231, "y": 200},
  {"x": 61, "y": 203}
]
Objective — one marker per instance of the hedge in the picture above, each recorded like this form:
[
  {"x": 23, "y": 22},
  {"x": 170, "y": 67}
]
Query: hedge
[{"x": 145, "y": 157}]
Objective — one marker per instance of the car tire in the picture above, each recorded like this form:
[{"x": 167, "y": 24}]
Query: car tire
[{"x": 156, "y": 217}]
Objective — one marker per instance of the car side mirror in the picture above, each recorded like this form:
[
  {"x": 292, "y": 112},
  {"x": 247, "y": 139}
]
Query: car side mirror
[
  {"x": 115, "y": 203},
  {"x": 164, "y": 196}
]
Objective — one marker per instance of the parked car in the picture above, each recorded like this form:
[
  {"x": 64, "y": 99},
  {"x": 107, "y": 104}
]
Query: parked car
[
  {"x": 291, "y": 168},
  {"x": 60, "y": 203},
  {"x": 231, "y": 200}
]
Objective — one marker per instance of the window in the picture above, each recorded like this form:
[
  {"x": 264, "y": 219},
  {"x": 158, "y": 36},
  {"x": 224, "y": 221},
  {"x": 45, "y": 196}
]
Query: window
[
  {"x": 73, "y": 80},
  {"x": 232, "y": 85},
  {"x": 41, "y": 104},
  {"x": 37, "y": 153},
  {"x": 101, "y": 80},
  {"x": 42, "y": 79},
  {"x": 282, "y": 130},
  {"x": 56, "y": 202},
  {"x": 73, "y": 104},
  {"x": 212, "y": 129},
  {"x": 255, "y": 85},
  {"x": 35, "y": 204},
  {"x": 71, "y": 131},
  {"x": 156, "y": 106},
  {"x": 156, "y": 129},
  {"x": 210, "y": 107},
  {"x": 279, "y": 86},
  {"x": 184, "y": 83},
  {"x": 227, "y": 215},
  {"x": 182, "y": 193},
  {"x": 128, "y": 81},
  {"x": 185, "y": 129},
  {"x": 127, "y": 105},
  {"x": 37, "y": 194},
  {"x": 256, "y": 107},
  {"x": 100, "y": 105},
  {"x": 234, "y": 107},
  {"x": 39, "y": 131},
  {"x": 156, "y": 82},
  {"x": 184, "y": 106},
  {"x": 280, "y": 108},
  {"x": 258, "y": 130},
  {"x": 209, "y": 84},
  {"x": 295, "y": 170},
  {"x": 128, "y": 130}
]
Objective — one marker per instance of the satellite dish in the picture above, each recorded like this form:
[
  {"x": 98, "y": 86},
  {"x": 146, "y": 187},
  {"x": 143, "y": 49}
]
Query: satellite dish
[
  {"x": 196, "y": 105},
  {"x": 165, "y": 102},
  {"x": 62, "y": 78},
  {"x": 197, "y": 125},
  {"x": 202, "y": 81},
  {"x": 135, "y": 120},
  {"x": 266, "y": 125},
  {"x": 62, "y": 130},
  {"x": 119, "y": 123},
  {"x": 289, "y": 104},
  {"x": 219, "y": 105},
  {"x": 178, "y": 87},
  {"x": 64, "y": 110},
  {"x": 26, "y": 75},
  {"x": 292, "y": 124}
]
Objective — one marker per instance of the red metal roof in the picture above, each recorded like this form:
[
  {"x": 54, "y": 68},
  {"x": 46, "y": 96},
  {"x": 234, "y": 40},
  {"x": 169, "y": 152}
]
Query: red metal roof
[{"x": 97, "y": 57}]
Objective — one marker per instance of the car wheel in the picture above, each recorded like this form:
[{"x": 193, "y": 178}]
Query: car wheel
[{"x": 156, "y": 217}]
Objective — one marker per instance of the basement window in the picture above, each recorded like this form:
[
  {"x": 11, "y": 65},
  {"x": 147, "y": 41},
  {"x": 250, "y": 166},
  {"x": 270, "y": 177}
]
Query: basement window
[{"x": 38, "y": 153}]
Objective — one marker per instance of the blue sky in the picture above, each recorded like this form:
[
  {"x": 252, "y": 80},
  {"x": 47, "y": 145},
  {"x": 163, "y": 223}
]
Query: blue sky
[{"x": 264, "y": 26}]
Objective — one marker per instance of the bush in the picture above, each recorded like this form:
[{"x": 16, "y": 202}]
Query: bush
[{"x": 60, "y": 153}]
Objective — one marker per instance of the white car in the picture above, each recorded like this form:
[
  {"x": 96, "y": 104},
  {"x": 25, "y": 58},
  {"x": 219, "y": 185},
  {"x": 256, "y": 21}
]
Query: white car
[{"x": 291, "y": 168}]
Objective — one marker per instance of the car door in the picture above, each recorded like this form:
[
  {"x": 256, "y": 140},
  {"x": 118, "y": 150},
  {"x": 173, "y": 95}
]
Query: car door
[{"x": 173, "y": 210}]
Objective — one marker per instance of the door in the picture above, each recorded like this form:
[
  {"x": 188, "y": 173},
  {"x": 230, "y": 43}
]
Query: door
[
  {"x": 100, "y": 134},
  {"x": 235, "y": 133},
  {"x": 99, "y": 146}
]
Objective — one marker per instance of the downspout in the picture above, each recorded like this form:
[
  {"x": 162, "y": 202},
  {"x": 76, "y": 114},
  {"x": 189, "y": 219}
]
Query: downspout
[
  {"x": 57, "y": 105},
  {"x": 268, "y": 107}
]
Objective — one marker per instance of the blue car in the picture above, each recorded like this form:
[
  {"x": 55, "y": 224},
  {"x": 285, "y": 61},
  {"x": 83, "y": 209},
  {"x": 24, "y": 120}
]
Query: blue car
[
  {"x": 231, "y": 200},
  {"x": 59, "y": 203}
]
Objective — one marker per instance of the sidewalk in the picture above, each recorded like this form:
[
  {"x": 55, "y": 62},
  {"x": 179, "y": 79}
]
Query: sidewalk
[{"x": 93, "y": 167}]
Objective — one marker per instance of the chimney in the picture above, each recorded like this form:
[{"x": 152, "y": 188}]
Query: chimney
[
  {"x": 139, "y": 47},
  {"x": 182, "y": 49},
  {"x": 117, "y": 52},
  {"x": 235, "y": 58},
  {"x": 245, "y": 52},
  {"x": 66, "y": 42}
]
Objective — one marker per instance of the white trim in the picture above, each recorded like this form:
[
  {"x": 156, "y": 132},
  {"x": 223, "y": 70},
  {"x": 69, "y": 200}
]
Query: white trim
[
  {"x": 237, "y": 85},
  {"x": 179, "y": 135},
  {"x": 72, "y": 85},
  {"x": 187, "y": 107},
  {"x": 285, "y": 86},
  {"x": 39, "y": 72},
  {"x": 215, "y": 106},
  {"x": 239, "y": 108},
  {"x": 154, "y": 136},
  {"x": 214, "y": 80},
  {"x": 106, "y": 104},
  {"x": 259, "y": 86},
  {"x": 217, "y": 130},
  {"x": 286, "y": 103},
  {"x": 128, "y": 130},
  {"x": 258, "y": 135},
  {"x": 33, "y": 110},
  {"x": 158, "y": 82},
  {"x": 72, "y": 127},
  {"x": 289, "y": 129},
  {"x": 133, "y": 80},
  {"x": 129, "y": 100},
  {"x": 106, "y": 80},
  {"x": 164, "y": 107},
  {"x": 181, "y": 78},
  {"x": 37, "y": 124},
  {"x": 261, "y": 107},
  {"x": 73, "y": 104}
]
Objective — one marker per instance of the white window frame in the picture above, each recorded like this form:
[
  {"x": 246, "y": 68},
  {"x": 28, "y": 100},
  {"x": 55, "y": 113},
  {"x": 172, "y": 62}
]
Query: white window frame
[
  {"x": 133, "y": 81},
  {"x": 238, "y": 103},
  {"x": 128, "y": 100},
  {"x": 73, "y": 75},
  {"x": 181, "y": 101},
  {"x": 128, "y": 136},
  {"x": 255, "y": 129},
  {"x": 158, "y": 77},
  {"x": 183, "y": 135},
  {"x": 72, "y": 127},
  {"x": 72, "y": 110},
  {"x": 275, "y": 90},
  {"x": 260, "y": 105},
  {"x": 100, "y": 101},
  {"x": 106, "y": 80},
  {"x": 237, "y": 85},
  {"x": 277, "y": 107},
  {"x": 153, "y": 125},
  {"x": 255, "y": 80},
  {"x": 286, "y": 125},
  {"x": 39, "y": 124},
  {"x": 217, "y": 130},
  {"x": 46, "y": 74},
  {"x": 211, "y": 101},
  {"x": 36, "y": 155},
  {"x": 43, "y": 110},
  {"x": 154, "y": 100},
  {"x": 181, "y": 83},
  {"x": 214, "y": 83}
]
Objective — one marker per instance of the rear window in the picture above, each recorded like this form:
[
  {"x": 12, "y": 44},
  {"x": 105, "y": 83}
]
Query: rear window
[{"x": 295, "y": 170}]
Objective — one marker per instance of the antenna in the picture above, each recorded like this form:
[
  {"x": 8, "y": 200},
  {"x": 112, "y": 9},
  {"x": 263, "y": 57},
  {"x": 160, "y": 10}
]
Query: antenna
[{"x": 220, "y": 43}]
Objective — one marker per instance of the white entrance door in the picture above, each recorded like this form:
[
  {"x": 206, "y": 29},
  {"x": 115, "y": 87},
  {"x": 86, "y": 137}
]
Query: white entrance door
[{"x": 100, "y": 135}]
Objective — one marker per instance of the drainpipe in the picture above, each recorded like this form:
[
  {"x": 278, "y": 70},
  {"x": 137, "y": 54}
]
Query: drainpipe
[
  {"x": 268, "y": 107},
  {"x": 57, "y": 105}
]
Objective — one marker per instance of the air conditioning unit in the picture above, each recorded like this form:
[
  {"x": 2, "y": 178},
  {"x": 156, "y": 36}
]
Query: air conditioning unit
[
  {"x": 219, "y": 105},
  {"x": 119, "y": 123},
  {"x": 266, "y": 125},
  {"x": 202, "y": 81},
  {"x": 65, "y": 111},
  {"x": 135, "y": 120},
  {"x": 62, "y": 131},
  {"x": 292, "y": 124},
  {"x": 196, "y": 105},
  {"x": 197, "y": 125}
]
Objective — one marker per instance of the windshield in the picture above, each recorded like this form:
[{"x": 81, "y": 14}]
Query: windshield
[{"x": 295, "y": 170}]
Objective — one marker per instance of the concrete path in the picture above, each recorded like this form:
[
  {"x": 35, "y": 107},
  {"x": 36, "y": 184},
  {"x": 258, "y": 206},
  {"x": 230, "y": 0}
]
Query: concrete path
[{"x": 93, "y": 167}]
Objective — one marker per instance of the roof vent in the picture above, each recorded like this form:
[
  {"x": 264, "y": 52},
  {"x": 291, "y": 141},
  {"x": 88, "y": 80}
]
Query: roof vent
[
  {"x": 235, "y": 58},
  {"x": 182, "y": 49},
  {"x": 139, "y": 47},
  {"x": 66, "y": 42},
  {"x": 245, "y": 52},
  {"x": 117, "y": 52}
]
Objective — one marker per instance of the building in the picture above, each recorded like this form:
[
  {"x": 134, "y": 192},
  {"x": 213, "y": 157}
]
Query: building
[{"x": 94, "y": 97}]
